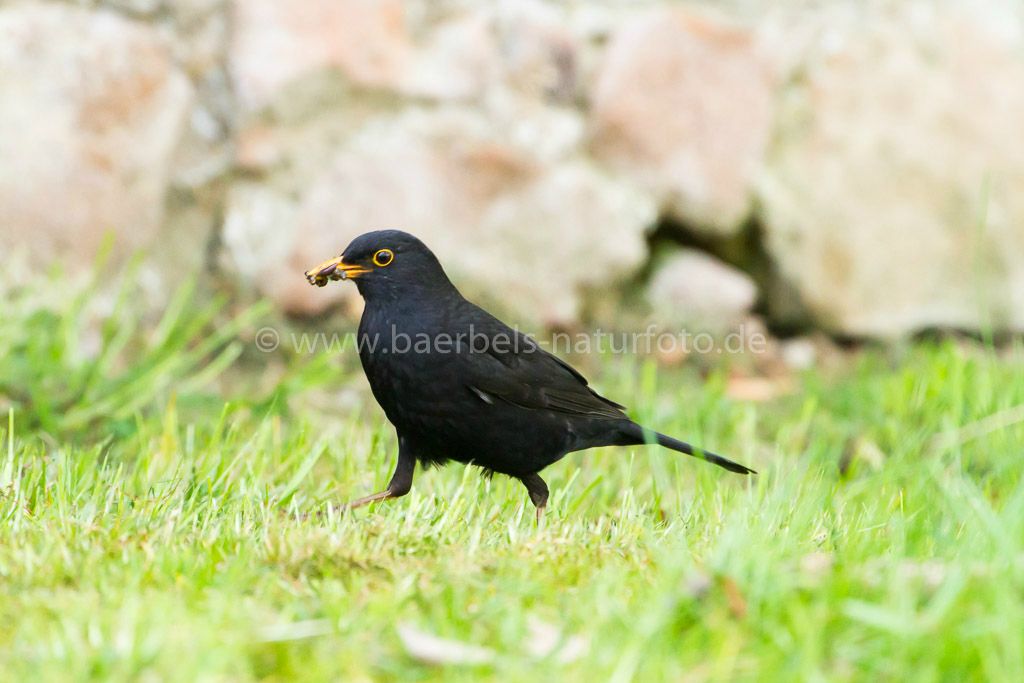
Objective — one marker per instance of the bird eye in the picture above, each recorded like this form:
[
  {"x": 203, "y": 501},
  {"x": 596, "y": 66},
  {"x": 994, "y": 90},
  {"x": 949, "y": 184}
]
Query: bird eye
[{"x": 383, "y": 257}]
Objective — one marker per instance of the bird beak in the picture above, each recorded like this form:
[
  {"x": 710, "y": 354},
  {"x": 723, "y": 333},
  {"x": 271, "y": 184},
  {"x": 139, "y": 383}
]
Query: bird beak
[{"x": 335, "y": 269}]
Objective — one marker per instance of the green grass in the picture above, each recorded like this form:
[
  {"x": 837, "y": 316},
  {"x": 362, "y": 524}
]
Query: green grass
[{"x": 181, "y": 545}]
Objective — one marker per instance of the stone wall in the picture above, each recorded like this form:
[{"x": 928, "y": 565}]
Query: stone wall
[{"x": 867, "y": 155}]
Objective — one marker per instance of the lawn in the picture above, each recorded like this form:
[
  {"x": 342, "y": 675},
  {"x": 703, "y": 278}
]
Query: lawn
[{"x": 159, "y": 499}]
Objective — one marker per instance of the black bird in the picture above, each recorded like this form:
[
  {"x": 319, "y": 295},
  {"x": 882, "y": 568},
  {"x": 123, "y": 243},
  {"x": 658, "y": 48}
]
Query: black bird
[{"x": 459, "y": 384}]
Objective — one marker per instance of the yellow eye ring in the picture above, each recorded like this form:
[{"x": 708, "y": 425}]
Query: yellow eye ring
[{"x": 383, "y": 257}]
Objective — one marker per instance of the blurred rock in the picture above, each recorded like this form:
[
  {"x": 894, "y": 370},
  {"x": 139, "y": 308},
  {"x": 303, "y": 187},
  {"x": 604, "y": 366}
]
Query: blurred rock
[
  {"x": 274, "y": 42},
  {"x": 493, "y": 50},
  {"x": 892, "y": 198},
  {"x": 684, "y": 103},
  {"x": 456, "y": 126},
  {"x": 139, "y": 8},
  {"x": 537, "y": 51},
  {"x": 449, "y": 53},
  {"x": 258, "y": 236},
  {"x": 691, "y": 290},
  {"x": 458, "y": 60},
  {"x": 500, "y": 202},
  {"x": 800, "y": 353},
  {"x": 532, "y": 136},
  {"x": 92, "y": 108}
]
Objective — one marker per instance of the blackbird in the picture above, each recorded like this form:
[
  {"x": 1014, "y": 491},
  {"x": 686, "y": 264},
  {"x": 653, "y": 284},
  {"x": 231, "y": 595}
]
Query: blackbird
[{"x": 458, "y": 384}]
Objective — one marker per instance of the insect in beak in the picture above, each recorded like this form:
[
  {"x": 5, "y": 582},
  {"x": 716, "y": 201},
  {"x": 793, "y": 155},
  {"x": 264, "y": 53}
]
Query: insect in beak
[{"x": 334, "y": 269}]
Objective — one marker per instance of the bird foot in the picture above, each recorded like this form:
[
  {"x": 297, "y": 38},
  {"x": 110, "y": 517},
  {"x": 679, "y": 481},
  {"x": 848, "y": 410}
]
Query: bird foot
[
  {"x": 353, "y": 504},
  {"x": 366, "y": 500}
]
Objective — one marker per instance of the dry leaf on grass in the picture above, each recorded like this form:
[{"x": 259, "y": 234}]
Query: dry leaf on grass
[
  {"x": 757, "y": 389},
  {"x": 546, "y": 640},
  {"x": 734, "y": 596},
  {"x": 431, "y": 649},
  {"x": 295, "y": 630}
]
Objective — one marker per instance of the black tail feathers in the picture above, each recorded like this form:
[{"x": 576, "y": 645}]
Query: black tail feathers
[{"x": 638, "y": 435}]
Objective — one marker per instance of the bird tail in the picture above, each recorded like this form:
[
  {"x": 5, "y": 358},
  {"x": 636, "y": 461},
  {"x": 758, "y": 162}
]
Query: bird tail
[{"x": 637, "y": 435}]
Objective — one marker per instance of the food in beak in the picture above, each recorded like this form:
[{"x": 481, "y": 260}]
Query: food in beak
[{"x": 320, "y": 275}]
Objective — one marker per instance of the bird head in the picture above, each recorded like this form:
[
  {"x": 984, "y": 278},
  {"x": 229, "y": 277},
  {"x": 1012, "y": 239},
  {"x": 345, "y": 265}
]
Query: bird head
[{"x": 383, "y": 262}]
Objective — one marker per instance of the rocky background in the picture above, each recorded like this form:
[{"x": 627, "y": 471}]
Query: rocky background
[{"x": 854, "y": 167}]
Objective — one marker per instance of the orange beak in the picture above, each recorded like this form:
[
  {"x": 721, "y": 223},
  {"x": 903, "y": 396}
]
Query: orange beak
[{"x": 335, "y": 269}]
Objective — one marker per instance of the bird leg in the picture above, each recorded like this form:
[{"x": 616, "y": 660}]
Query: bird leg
[
  {"x": 538, "y": 491},
  {"x": 401, "y": 482}
]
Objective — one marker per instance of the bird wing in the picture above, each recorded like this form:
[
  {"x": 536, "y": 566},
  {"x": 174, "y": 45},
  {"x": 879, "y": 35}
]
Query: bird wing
[{"x": 524, "y": 374}]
